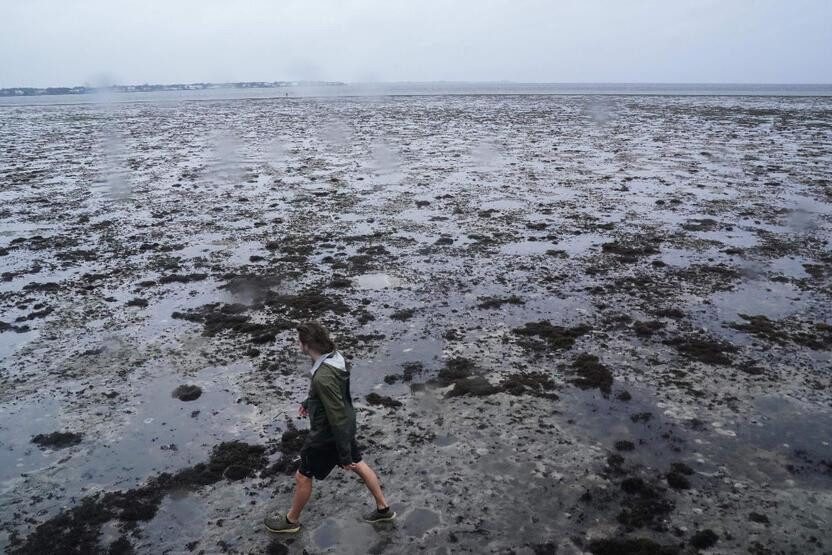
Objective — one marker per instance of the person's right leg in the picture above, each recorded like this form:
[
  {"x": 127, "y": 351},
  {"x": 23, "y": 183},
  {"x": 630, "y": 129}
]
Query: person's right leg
[{"x": 303, "y": 491}]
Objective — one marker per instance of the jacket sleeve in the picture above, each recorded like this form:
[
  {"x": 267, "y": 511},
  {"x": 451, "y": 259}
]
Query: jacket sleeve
[{"x": 329, "y": 392}]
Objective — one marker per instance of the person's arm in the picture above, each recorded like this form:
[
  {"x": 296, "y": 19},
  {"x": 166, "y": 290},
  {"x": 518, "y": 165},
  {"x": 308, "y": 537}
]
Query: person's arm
[{"x": 330, "y": 394}]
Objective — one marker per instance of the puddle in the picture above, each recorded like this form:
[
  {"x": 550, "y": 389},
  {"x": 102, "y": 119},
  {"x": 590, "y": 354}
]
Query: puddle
[
  {"x": 525, "y": 248},
  {"x": 19, "y": 422},
  {"x": 417, "y": 215},
  {"x": 151, "y": 433},
  {"x": 239, "y": 253},
  {"x": 772, "y": 299},
  {"x": 142, "y": 445},
  {"x": 411, "y": 347},
  {"x": 327, "y": 534},
  {"x": 738, "y": 239},
  {"x": 377, "y": 281},
  {"x": 11, "y": 341},
  {"x": 181, "y": 516},
  {"x": 787, "y": 266},
  {"x": 504, "y": 204},
  {"x": 445, "y": 440},
  {"x": 761, "y": 450},
  {"x": 786, "y": 425},
  {"x": 158, "y": 322},
  {"x": 205, "y": 245},
  {"x": 44, "y": 276},
  {"x": 579, "y": 244},
  {"x": 420, "y": 521},
  {"x": 202, "y": 521},
  {"x": 347, "y": 533},
  {"x": 12, "y": 229}
]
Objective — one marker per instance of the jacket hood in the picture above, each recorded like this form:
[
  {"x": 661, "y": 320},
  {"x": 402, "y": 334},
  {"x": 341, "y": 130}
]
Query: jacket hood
[{"x": 334, "y": 359}]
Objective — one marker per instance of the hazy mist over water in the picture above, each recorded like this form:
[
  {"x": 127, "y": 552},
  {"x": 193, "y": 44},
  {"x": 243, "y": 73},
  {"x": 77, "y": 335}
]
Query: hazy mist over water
[{"x": 369, "y": 90}]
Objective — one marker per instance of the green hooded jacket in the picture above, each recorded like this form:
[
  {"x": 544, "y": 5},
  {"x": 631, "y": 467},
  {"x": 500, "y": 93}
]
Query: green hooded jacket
[{"x": 331, "y": 414}]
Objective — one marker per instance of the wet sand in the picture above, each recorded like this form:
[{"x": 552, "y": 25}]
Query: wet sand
[{"x": 591, "y": 324}]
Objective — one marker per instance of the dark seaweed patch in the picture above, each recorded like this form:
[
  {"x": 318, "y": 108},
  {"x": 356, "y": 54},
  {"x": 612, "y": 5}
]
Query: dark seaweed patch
[
  {"x": 681, "y": 468},
  {"x": 497, "y": 302},
  {"x": 644, "y": 504},
  {"x": 629, "y": 249},
  {"x": 308, "y": 304},
  {"x": 5, "y": 326},
  {"x": 181, "y": 278},
  {"x": 674, "y": 313},
  {"x": 382, "y": 401},
  {"x": 816, "y": 336},
  {"x": 648, "y": 328},
  {"x": 252, "y": 285},
  {"x": 455, "y": 369},
  {"x": 403, "y": 314},
  {"x": 542, "y": 336},
  {"x": 217, "y": 318},
  {"x": 703, "y": 349},
  {"x": 630, "y": 546},
  {"x": 704, "y": 539},
  {"x": 57, "y": 440},
  {"x": 759, "y": 518},
  {"x": 475, "y": 386},
  {"x": 590, "y": 373},
  {"x": 704, "y": 224},
  {"x": 537, "y": 384},
  {"x": 291, "y": 442},
  {"x": 676, "y": 480}
]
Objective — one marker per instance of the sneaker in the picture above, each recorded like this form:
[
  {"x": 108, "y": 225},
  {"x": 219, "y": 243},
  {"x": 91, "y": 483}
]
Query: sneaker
[
  {"x": 379, "y": 516},
  {"x": 279, "y": 524}
]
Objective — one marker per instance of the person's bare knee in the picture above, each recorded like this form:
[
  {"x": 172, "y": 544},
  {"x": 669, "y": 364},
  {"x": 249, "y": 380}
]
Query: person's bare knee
[
  {"x": 302, "y": 480},
  {"x": 361, "y": 467}
]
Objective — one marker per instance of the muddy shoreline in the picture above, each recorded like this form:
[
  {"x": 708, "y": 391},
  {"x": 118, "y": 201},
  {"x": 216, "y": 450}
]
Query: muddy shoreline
[{"x": 576, "y": 324}]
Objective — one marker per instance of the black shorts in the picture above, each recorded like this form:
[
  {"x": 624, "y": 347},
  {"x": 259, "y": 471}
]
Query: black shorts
[{"x": 318, "y": 462}]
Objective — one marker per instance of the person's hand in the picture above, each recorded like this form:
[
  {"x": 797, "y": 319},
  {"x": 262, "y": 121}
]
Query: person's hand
[
  {"x": 302, "y": 412},
  {"x": 350, "y": 466}
]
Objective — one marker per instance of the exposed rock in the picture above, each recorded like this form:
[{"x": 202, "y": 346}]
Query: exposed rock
[{"x": 187, "y": 392}]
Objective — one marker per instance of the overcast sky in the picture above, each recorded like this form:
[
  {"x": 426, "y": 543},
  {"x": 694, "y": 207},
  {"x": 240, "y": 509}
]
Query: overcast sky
[{"x": 69, "y": 42}]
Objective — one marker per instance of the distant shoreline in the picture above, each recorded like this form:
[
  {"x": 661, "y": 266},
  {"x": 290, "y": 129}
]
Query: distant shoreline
[
  {"x": 329, "y": 89},
  {"x": 84, "y": 89}
]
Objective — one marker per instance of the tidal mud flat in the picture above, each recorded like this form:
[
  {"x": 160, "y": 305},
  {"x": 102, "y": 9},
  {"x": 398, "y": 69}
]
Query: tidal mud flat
[{"x": 576, "y": 324}]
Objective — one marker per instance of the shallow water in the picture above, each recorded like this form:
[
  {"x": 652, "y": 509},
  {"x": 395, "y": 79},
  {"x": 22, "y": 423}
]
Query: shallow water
[
  {"x": 377, "y": 281},
  {"x": 522, "y": 193}
]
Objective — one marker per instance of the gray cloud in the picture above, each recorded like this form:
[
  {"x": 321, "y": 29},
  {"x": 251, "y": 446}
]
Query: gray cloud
[{"x": 66, "y": 42}]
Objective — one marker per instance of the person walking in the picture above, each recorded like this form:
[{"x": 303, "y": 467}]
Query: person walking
[{"x": 332, "y": 426}]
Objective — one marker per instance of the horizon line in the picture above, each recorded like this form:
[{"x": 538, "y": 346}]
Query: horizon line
[{"x": 291, "y": 82}]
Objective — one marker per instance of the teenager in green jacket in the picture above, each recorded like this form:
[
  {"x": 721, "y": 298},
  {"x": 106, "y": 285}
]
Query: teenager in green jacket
[{"x": 331, "y": 439}]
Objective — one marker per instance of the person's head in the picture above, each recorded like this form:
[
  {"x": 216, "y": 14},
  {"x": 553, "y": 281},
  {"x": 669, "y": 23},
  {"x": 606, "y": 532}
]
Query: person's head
[{"x": 314, "y": 338}]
